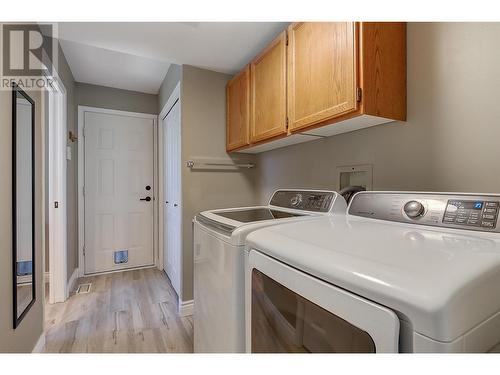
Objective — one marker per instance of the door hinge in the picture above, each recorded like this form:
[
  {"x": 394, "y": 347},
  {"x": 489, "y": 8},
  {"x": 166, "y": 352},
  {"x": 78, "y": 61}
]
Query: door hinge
[
  {"x": 287, "y": 122},
  {"x": 83, "y": 191},
  {"x": 359, "y": 94},
  {"x": 286, "y": 43},
  {"x": 84, "y": 251}
]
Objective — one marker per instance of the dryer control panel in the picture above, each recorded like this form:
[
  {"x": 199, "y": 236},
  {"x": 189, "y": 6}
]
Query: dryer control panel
[
  {"x": 460, "y": 211},
  {"x": 307, "y": 200}
]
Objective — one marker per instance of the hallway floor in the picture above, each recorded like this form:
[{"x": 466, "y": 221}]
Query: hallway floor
[{"x": 124, "y": 312}]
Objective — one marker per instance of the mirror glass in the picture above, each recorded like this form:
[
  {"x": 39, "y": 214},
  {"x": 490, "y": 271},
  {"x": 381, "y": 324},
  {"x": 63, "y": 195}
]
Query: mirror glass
[{"x": 23, "y": 237}]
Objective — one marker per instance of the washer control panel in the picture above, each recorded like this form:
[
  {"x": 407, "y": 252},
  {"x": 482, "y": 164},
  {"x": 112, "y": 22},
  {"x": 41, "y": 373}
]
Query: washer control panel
[
  {"x": 317, "y": 201},
  {"x": 472, "y": 213},
  {"x": 460, "y": 211}
]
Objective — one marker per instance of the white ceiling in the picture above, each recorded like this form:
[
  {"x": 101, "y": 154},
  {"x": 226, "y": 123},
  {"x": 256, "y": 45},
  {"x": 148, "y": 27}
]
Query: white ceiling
[
  {"x": 110, "y": 68},
  {"x": 136, "y": 56}
]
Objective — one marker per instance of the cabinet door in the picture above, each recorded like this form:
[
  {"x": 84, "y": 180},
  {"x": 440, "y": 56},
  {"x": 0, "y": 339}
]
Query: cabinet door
[
  {"x": 268, "y": 88},
  {"x": 321, "y": 72},
  {"x": 238, "y": 110}
]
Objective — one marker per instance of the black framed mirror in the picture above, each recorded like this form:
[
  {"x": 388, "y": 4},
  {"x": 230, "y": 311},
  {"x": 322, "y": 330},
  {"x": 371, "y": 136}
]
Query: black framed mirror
[{"x": 23, "y": 203}]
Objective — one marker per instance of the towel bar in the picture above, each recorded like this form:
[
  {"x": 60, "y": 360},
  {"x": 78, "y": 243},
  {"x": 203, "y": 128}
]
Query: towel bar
[{"x": 210, "y": 165}]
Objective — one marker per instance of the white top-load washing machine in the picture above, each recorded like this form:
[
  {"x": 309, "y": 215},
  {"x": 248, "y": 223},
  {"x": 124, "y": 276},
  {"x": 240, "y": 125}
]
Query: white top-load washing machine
[
  {"x": 219, "y": 253},
  {"x": 401, "y": 272}
]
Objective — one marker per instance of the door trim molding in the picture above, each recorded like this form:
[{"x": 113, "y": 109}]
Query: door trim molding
[
  {"x": 186, "y": 308},
  {"x": 57, "y": 191},
  {"x": 81, "y": 177},
  {"x": 173, "y": 98},
  {"x": 72, "y": 280}
]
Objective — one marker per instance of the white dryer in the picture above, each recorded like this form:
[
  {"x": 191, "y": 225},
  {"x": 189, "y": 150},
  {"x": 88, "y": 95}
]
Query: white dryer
[
  {"x": 219, "y": 261},
  {"x": 401, "y": 272}
]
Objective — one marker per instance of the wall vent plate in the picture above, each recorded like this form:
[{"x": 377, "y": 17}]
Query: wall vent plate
[
  {"x": 121, "y": 256},
  {"x": 355, "y": 175},
  {"x": 83, "y": 288}
]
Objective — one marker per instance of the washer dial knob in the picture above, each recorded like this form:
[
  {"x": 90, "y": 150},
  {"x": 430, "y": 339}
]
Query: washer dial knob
[
  {"x": 296, "y": 200},
  {"x": 414, "y": 209}
]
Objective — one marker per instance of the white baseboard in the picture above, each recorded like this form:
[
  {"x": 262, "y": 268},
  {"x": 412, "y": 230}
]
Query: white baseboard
[
  {"x": 186, "y": 308},
  {"x": 46, "y": 277},
  {"x": 72, "y": 281},
  {"x": 40, "y": 344}
]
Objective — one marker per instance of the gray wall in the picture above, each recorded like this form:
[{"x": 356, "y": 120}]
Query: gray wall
[
  {"x": 173, "y": 76},
  {"x": 450, "y": 141},
  {"x": 203, "y": 117},
  {"x": 111, "y": 98},
  {"x": 24, "y": 338}
]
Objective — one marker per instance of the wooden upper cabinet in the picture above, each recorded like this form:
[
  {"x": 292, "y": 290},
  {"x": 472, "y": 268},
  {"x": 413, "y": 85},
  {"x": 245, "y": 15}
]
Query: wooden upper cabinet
[
  {"x": 322, "y": 71},
  {"x": 268, "y": 92},
  {"x": 383, "y": 68},
  {"x": 319, "y": 79},
  {"x": 238, "y": 110}
]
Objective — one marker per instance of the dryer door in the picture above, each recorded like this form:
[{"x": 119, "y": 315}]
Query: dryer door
[{"x": 290, "y": 311}]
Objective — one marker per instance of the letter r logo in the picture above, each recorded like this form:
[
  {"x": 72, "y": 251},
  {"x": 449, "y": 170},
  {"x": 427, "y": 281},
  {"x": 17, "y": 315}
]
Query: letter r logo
[{"x": 23, "y": 49}]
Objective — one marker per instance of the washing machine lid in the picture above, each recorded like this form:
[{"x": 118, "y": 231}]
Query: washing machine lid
[
  {"x": 234, "y": 224},
  {"x": 256, "y": 214},
  {"x": 444, "y": 281}
]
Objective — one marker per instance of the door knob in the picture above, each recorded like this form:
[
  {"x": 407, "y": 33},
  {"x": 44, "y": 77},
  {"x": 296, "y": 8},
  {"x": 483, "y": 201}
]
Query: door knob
[
  {"x": 175, "y": 204},
  {"x": 166, "y": 202},
  {"x": 147, "y": 199}
]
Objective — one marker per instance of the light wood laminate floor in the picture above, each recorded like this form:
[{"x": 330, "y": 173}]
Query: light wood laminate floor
[{"x": 126, "y": 312}]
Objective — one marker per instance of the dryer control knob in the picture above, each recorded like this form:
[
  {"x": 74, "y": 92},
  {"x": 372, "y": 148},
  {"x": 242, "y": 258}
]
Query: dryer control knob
[{"x": 414, "y": 209}]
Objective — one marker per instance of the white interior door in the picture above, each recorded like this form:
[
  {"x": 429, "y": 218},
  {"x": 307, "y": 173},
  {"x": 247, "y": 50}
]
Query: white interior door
[
  {"x": 118, "y": 191},
  {"x": 173, "y": 212}
]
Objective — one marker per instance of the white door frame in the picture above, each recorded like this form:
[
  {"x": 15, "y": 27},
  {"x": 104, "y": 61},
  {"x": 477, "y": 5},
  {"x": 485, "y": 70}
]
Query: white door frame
[
  {"x": 58, "y": 250},
  {"x": 174, "y": 97},
  {"x": 81, "y": 179}
]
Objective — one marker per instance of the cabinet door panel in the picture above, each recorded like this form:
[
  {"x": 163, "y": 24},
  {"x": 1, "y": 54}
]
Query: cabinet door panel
[
  {"x": 322, "y": 68},
  {"x": 268, "y": 88},
  {"x": 238, "y": 110}
]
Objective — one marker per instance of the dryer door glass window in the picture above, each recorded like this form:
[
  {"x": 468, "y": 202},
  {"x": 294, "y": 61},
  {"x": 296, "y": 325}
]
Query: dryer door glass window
[{"x": 285, "y": 322}]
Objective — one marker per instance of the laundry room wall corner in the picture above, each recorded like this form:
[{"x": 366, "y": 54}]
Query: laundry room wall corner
[
  {"x": 172, "y": 78},
  {"x": 203, "y": 120}
]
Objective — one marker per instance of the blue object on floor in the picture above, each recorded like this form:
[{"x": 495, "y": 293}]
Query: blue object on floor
[
  {"x": 24, "y": 268},
  {"x": 121, "y": 256}
]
